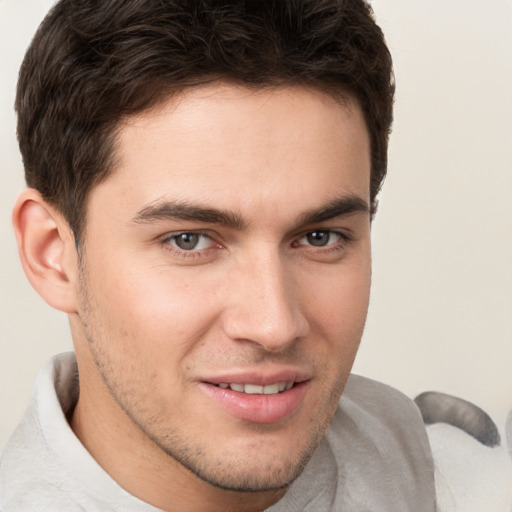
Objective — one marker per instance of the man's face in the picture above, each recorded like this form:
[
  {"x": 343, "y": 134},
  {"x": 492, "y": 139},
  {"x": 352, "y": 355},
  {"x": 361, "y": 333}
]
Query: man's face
[{"x": 225, "y": 278}]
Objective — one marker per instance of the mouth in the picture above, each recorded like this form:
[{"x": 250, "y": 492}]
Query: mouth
[
  {"x": 268, "y": 402},
  {"x": 256, "y": 389}
]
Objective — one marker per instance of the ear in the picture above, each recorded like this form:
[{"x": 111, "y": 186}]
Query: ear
[{"x": 47, "y": 250}]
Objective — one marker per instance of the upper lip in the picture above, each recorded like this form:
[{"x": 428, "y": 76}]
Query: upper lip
[{"x": 260, "y": 377}]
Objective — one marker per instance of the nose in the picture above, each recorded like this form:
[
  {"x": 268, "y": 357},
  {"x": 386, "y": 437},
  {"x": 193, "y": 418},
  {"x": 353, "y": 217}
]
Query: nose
[{"x": 265, "y": 306}]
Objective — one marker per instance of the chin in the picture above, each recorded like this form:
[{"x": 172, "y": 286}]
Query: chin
[
  {"x": 247, "y": 469},
  {"x": 245, "y": 477}
]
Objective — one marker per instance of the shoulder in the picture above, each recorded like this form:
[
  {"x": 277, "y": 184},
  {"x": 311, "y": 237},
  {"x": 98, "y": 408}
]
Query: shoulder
[
  {"x": 381, "y": 448},
  {"x": 363, "y": 388},
  {"x": 379, "y": 405},
  {"x": 31, "y": 476}
]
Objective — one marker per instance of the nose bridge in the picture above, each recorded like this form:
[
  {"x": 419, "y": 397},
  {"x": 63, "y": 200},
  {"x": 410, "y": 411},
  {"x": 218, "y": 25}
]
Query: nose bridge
[{"x": 266, "y": 307}]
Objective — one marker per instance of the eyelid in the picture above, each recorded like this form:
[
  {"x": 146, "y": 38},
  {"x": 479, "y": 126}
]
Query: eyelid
[{"x": 172, "y": 234}]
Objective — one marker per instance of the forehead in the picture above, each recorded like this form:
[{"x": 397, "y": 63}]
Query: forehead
[{"x": 240, "y": 148}]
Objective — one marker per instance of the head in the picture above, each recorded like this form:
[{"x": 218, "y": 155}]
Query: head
[{"x": 203, "y": 175}]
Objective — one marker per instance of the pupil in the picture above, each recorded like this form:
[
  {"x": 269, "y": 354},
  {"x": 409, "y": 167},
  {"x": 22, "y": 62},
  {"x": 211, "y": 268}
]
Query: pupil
[
  {"x": 318, "y": 238},
  {"x": 187, "y": 241}
]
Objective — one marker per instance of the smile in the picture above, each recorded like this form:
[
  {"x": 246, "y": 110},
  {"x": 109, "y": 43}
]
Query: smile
[
  {"x": 255, "y": 389},
  {"x": 258, "y": 403}
]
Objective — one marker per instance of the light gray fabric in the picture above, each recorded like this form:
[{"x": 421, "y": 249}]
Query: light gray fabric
[{"x": 375, "y": 457}]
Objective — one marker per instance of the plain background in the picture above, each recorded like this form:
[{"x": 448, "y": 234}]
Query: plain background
[{"x": 441, "y": 309}]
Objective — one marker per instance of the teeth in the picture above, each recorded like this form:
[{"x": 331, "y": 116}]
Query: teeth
[
  {"x": 252, "y": 389},
  {"x": 255, "y": 389},
  {"x": 271, "y": 389}
]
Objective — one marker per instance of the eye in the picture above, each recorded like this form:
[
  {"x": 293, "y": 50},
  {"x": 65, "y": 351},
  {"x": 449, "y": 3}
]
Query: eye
[
  {"x": 190, "y": 241},
  {"x": 320, "y": 238}
]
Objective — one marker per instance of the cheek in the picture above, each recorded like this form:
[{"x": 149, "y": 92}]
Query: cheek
[
  {"x": 339, "y": 307},
  {"x": 150, "y": 311}
]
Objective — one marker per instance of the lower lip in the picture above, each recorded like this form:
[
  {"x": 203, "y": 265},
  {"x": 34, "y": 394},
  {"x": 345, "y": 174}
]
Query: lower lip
[{"x": 258, "y": 408}]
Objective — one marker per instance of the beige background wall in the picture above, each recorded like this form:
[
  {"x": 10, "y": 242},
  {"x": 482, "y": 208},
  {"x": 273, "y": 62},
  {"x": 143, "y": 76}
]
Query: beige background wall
[{"x": 441, "y": 312}]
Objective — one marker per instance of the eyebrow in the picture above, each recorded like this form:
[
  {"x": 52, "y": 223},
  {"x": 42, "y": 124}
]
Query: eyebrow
[
  {"x": 182, "y": 210},
  {"x": 165, "y": 210},
  {"x": 338, "y": 207}
]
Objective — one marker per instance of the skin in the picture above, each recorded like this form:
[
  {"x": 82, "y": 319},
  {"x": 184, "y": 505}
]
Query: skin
[{"x": 152, "y": 322}]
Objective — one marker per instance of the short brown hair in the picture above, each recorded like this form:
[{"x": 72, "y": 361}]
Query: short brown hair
[{"x": 92, "y": 62}]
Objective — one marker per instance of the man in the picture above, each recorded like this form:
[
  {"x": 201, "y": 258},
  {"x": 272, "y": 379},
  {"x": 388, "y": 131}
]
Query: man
[{"x": 202, "y": 177}]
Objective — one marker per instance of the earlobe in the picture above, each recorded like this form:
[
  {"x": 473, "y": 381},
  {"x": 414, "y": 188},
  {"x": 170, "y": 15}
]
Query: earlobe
[{"x": 47, "y": 250}]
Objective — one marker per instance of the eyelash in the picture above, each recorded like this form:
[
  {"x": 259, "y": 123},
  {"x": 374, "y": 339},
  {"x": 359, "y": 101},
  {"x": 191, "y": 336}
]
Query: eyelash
[{"x": 339, "y": 245}]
